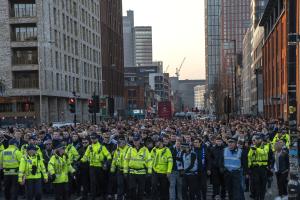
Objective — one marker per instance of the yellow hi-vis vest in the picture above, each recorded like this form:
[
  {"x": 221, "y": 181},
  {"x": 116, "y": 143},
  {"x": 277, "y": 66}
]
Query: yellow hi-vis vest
[
  {"x": 10, "y": 159},
  {"x": 137, "y": 161}
]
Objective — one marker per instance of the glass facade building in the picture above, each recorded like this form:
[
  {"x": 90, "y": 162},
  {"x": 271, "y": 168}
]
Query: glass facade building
[{"x": 212, "y": 41}]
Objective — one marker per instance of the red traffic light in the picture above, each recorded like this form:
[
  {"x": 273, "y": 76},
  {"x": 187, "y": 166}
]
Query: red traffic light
[
  {"x": 72, "y": 101},
  {"x": 91, "y": 102}
]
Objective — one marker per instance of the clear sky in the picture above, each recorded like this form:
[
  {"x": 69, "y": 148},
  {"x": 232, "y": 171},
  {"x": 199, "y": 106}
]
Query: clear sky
[{"x": 177, "y": 31}]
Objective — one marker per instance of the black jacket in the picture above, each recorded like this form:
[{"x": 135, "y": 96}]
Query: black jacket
[
  {"x": 177, "y": 157},
  {"x": 216, "y": 156},
  {"x": 283, "y": 161}
]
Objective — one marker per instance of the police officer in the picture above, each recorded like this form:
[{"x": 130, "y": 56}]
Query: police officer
[
  {"x": 97, "y": 155},
  {"x": 73, "y": 156},
  {"x": 59, "y": 167},
  {"x": 9, "y": 161},
  {"x": 257, "y": 163},
  {"x": 137, "y": 165},
  {"x": 31, "y": 170},
  {"x": 284, "y": 136},
  {"x": 32, "y": 141},
  {"x": 233, "y": 164},
  {"x": 71, "y": 151},
  {"x": 162, "y": 163},
  {"x": 117, "y": 166}
]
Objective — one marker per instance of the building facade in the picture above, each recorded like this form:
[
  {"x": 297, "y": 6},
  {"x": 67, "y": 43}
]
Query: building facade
[
  {"x": 48, "y": 50},
  {"x": 159, "y": 82},
  {"x": 257, "y": 88},
  {"x": 112, "y": 53},
  {"x": 199, "y": 92},
  {"x": 235, "y": 21},
  {"x": 212, "y": 42},
  {"x": 138, "y": 93},
  {"x": 185, "y": 90},
  {"x": 128, "y": 39},
  {"x": 247, "y": 73},
  {"x": 143, "y": 45},
  {"x": 274, "y": 57}
]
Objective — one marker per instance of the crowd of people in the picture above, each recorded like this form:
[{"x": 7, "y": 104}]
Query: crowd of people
[{"x": 146, "y": 159}]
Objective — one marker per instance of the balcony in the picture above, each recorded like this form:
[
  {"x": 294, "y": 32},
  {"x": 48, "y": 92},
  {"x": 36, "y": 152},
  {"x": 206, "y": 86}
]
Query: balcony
[
  {"x": 26, "y": 83},
  {"x": 24, "y": 33},
  {"x": 23, "y": 10},
  {"x": 25, "y": 56},
  {"x": 25, "y": 79}
]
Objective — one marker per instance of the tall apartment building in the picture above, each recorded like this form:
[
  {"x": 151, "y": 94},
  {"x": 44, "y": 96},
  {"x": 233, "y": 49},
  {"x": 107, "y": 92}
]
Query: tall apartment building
[
  {"x": 112, "y": 52},
  {"x": 48, "y": 49},
  {"x": 128, "y": 39},
  {"x": 143, "y": 45}
]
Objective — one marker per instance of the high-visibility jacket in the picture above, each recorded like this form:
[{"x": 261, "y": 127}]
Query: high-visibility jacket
[
  {"x": 232, "y": 159},
  {"x": 27, "y": 165},
  {"x": 96, "y": 154},
  {"x": 60, "y": 166},
  {"x": 118, "y": 159},
  {"x": 10, "y": 159},
  {"x": 259, "y": 156},
  {"x": 285, "y": 137},
  {"x": 72, "y": 153},
  {"x": 24, "y": 150},
  {"x": 1, "y": 147},
  {"x": 162, "y": 160},
  {"x": 137, "y": 161}
]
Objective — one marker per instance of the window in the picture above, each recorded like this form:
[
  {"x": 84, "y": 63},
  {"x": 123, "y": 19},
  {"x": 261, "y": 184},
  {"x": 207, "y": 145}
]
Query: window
[
  {"x": 57, "y": 82},
  {"x": 23, "y": 10},
  {"x": 25, "y": 79},
  {"x": 5, "y": 107},
  {"x": 24, "y": 33}
]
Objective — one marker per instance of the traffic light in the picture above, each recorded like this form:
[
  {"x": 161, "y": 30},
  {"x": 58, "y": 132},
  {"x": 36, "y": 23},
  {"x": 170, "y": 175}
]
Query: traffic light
[
  {"x": 91, "y": 106},
  {"x": 97, "y": 103},
  {"x": 111, "y": 106},
  {"x": 72, "y": 106}
]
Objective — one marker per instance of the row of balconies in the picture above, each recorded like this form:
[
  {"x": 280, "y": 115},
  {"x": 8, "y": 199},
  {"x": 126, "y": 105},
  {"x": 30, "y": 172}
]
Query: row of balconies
[{"x": 24, "y": 44}]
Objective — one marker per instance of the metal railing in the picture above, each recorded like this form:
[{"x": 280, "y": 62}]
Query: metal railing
[{"x": 26, "y": 83}]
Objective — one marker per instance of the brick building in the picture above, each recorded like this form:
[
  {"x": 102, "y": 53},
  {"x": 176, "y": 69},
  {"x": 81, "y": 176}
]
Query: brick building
[{"x": 275, "y": 69}]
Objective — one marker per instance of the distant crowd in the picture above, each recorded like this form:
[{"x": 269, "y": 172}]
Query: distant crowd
[{"x": 146, "y": 159}]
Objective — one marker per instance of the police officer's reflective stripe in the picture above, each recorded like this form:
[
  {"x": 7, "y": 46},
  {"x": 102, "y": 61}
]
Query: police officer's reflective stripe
[
  {"x": 137, "y": 170},
  {"x": 232, "y": 161}
]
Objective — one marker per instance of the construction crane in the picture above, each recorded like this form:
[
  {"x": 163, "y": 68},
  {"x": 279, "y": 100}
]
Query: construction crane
[
  {"x": 166, "y": 71},
  {"x": 178, "y": 69}
]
